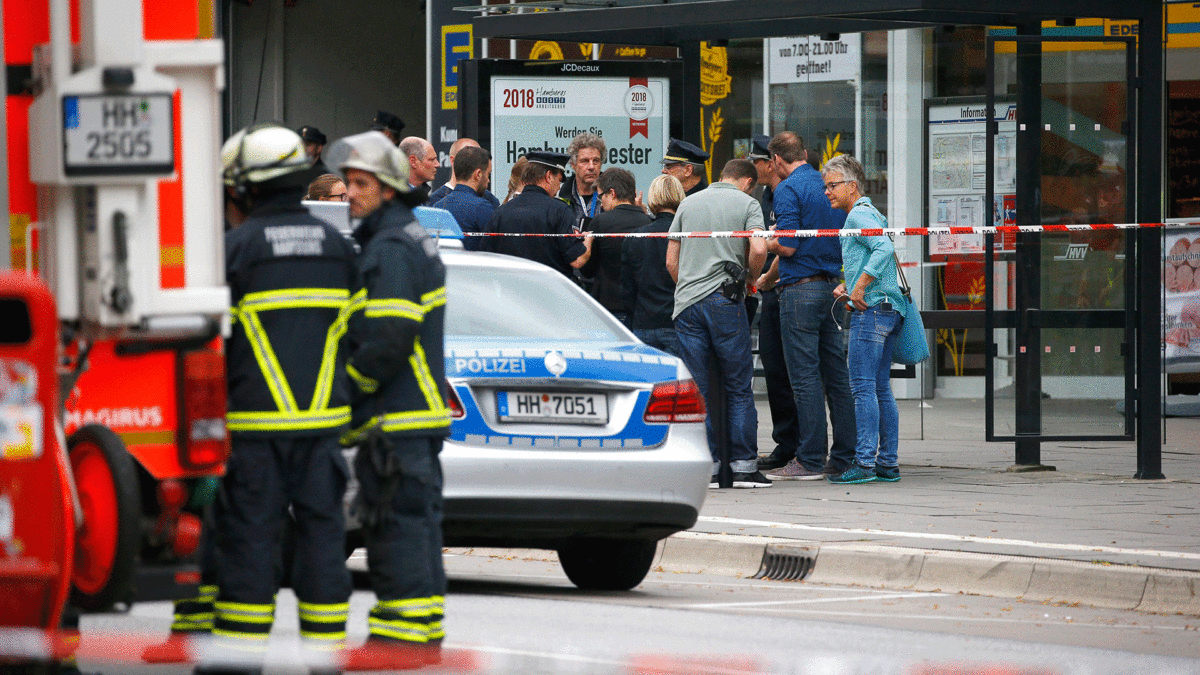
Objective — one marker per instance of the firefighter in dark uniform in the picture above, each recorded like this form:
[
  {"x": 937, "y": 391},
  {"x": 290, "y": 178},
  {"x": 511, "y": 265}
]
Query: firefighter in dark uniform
[
  {"x": 686, "y": 162},
  {"x": 400, "y": 415},
  {"x": 291, "y": 278},
  {"x": 535, "y": 211}
]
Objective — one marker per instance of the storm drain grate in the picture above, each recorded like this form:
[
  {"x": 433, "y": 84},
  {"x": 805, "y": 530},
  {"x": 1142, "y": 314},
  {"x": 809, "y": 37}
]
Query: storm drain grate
[{"x": 786, "y": 563}]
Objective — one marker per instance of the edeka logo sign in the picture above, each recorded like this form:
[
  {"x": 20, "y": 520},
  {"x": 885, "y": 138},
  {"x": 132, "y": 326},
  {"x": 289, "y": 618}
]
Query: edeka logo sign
[{"x": 456, "y": 46}]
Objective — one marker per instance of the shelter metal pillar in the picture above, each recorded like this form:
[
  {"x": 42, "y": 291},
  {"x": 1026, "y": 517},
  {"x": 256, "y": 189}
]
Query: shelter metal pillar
[
  {"x": 1028, "y": 374},
  {"x": 1149, "y": 196}
]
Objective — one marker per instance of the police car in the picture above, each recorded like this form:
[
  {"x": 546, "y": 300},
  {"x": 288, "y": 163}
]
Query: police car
[{"x": 568, "y": 433}]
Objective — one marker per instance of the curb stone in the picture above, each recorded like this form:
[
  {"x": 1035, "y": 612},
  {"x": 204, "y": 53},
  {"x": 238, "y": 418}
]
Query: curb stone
[{"x": 1146, "y": 589}]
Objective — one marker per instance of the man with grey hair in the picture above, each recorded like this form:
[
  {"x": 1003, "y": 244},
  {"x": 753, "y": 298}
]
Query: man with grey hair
[
  {"x": 423, "y": 163},
  {"x": 587, "y": 151}
]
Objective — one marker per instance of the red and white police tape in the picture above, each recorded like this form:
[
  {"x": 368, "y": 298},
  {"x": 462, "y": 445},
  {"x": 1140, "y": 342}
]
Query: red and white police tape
[{"x": 864, "y": 232}]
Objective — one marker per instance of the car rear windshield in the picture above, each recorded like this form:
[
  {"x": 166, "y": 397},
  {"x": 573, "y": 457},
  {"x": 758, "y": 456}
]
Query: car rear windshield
[{"x": 491, "y": 302}]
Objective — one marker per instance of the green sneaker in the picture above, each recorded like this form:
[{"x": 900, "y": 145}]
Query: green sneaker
[
  {"x": 888, "y": 474},
  {"x": 855, "y": 474}
]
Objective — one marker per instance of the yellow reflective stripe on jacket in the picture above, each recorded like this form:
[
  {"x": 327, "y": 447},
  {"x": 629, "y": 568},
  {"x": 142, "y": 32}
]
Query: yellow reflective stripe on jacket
[
  {"x": 272, "y": 372},
  {"x": 324, "y": 389},
  {"x": 324, "y": 386},
  {"x": 365, "y": 383},
  {"x": 416, "y": 419},
  {"x": 407, "y": 309},
  {"x": 294, "y": 298},
  {"x": 434, "y": 298},
  {"x": 399, "y": 421},
  {"x": 420, "y": 367},
  {"x": 289, "y": 417},
  {"x": 288, "y": 421},
  {"x": 394, "y": 307}
]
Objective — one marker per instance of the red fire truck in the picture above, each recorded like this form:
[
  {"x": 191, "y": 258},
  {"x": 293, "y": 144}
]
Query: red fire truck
[{"x": 112, "y": 120}]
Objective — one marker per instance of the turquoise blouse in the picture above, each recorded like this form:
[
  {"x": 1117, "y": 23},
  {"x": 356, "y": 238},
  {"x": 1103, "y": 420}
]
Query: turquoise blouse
[{"x": 872, "y": 255}]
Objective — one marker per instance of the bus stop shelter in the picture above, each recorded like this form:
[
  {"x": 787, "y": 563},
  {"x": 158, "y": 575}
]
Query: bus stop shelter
[{"x": 1133, "y": 323}]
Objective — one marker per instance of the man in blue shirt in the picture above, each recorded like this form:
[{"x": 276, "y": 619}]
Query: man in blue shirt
[
  {"x": 813, "y": 346},
  {"x": 472, "y": 210}
]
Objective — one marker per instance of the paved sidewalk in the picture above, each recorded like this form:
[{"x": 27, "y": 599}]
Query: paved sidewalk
[{"x": 956, "y": 495}]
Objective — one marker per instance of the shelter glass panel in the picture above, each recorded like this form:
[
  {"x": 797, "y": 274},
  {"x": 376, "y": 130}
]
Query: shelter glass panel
[{"x": 1070, "y": 346}]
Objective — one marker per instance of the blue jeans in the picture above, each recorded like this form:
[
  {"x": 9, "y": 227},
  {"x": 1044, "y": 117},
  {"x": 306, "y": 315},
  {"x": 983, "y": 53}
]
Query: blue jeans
[
  {"x": 660, "y": 338},
  {"x": 873, "y": 334},
  {"x": 715, "y": 339},
  {"x": 815, "y": 350}
]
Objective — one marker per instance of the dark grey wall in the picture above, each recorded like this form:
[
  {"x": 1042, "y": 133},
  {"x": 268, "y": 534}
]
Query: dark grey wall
[{"x": 328, "y": 64}]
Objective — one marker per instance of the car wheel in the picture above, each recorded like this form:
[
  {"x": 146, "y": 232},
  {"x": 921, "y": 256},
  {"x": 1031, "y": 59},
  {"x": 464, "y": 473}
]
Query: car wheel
[
  {"x": 107, "y": 542},
  {"x": 607, "y": 564}
]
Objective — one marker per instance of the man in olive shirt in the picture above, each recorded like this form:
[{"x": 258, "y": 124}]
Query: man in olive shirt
[{"x": 710, "y": 315}]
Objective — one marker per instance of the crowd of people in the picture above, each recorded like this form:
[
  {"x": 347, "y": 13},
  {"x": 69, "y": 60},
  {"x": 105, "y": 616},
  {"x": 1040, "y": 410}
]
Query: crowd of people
[
  {"x": 678, "y": 294},
  {"x": 350, "y": 361}
]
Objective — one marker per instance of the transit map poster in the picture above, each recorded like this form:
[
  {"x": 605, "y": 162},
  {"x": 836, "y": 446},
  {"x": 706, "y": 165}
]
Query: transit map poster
[
  {"x": 957, "y": 180},
  {"x": 633, "y": 106}
]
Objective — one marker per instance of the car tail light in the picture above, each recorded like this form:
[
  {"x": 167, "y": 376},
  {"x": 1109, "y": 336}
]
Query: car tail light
[
  {"x": 678, "y": 401},
  {"x": 205, "y": 440},
  {"x": 456, "y": 407}
]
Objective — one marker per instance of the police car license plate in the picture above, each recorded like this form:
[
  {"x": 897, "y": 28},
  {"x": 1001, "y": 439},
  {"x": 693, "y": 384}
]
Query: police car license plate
[
  {"x": 118, "y": 134},
  {"x": 552, "y": 406}
]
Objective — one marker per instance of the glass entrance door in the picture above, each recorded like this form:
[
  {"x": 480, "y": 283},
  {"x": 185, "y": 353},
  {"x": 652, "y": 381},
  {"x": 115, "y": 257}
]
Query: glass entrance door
[{"x": 1062, "y": 324}]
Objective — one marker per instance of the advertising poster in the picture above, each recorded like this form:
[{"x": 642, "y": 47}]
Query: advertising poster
[
  {"x": 1181, "y": 306},
  {"x": 957, "y": 179},
  {"x": 631, "y": 114}
]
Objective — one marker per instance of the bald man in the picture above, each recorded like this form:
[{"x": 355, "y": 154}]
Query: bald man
[{"x": 448, "y": 186}]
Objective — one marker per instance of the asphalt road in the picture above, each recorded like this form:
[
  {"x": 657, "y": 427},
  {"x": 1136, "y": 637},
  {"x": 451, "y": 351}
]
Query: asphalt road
[{"x": 515, "y": 612}]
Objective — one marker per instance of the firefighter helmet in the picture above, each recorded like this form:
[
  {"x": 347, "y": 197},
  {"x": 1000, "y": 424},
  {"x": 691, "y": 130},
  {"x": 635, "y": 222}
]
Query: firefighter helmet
[
  {"x": 374, "y": 153},
  {"x": 261, "y": 153}
]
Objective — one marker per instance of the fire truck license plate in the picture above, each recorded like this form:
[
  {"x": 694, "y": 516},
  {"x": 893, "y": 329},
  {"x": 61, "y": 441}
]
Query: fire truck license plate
[{"x": 118, "y": 134}]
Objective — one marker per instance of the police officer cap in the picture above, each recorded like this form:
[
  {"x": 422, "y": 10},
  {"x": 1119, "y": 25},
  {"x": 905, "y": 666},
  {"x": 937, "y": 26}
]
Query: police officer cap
[
  {"x": 758, "y": 147},
  {"x": 682, "y": 151},
  {"x": 387, "y": 121},
  {"x": 312, "y": 135},
  {"x": 554, "y": 160}
]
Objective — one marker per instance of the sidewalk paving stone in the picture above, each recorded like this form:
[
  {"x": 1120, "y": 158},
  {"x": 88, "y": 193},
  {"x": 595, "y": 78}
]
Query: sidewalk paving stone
[{"x": 956, "y": 497}]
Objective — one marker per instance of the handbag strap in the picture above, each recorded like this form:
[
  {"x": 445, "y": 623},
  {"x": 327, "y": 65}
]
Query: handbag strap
[{"x": 904, "y": 287}]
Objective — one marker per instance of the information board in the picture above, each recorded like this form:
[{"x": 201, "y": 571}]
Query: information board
[
  {"x": 523, "y": 106},
  {"x": 957, "y": 179},
  {"x": 810, "y": 58}
]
